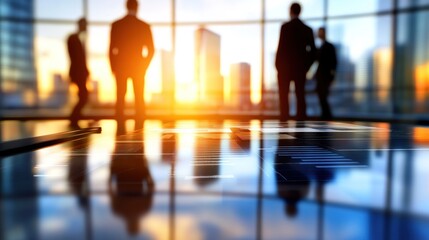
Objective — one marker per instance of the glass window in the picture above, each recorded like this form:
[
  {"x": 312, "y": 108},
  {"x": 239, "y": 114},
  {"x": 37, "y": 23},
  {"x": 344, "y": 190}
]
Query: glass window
[
  {"x": 279, "y": 9},
  {"x": 19, "y": 83},
  {"x": 412, "y": 61},
  {"x": 52, "y": 63},
  {"x": 207, "y": 56},
  {"x": 221, "y": 10},
  {"x": 110, "y": 10},
  {"x": 341, "y": 7},
  {"x": 54, "y": 9},
  {"x": 364, "y": 64},
  {"x": 412, "y": 3},
  {"x": 16, "y": 8}
]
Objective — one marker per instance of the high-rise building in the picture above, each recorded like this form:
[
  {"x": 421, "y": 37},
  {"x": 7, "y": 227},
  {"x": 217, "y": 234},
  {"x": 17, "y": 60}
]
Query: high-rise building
[
  {"x": 17, "y": 70},
  {"x": 240, "y": 85},
  {"x": 207, "y": 68},
  {"x": 167, "y": 77},
  {"x": 60, "y": 91}
]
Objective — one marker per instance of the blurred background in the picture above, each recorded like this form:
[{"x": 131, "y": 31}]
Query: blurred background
[{"x": 217, "y": 57}]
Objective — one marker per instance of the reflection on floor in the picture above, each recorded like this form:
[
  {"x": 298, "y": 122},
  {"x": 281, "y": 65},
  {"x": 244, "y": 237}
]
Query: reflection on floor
[{"x": 219, "y": 180}]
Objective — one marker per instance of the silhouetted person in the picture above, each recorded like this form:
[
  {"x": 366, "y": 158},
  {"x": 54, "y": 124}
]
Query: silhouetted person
[
  {"x": 295, "y": 55},
  {"x": 130, "y": 184},
  {"x": 325, "y": 73},
  {"x": 131, "y": 50},
  {"x": 78, "y": 70}
]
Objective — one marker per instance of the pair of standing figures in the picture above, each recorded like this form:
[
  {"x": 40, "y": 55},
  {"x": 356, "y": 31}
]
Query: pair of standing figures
[
  {"x": 131, "y": 51},
  {"x": 295, "y": 55}
]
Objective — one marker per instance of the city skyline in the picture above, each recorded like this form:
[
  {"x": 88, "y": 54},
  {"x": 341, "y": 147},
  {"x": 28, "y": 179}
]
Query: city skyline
[{"x": 241, "y": 42}]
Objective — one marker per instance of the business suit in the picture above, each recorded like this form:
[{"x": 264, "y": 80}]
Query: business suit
[
  {"x": 129, "y": 39},
  {"x": 295, "y": 54},
  {"x": 325, "y": 74},
  {"x": 78, "y": 74}
]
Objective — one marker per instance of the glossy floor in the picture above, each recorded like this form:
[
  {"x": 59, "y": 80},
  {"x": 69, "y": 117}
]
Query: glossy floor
[{"x": 219, "y": 180}]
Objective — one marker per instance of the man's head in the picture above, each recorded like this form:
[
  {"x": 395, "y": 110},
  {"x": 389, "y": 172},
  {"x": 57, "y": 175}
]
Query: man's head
[
  {"x": 321, "y": 33},
  {"x": 82, "y": 25},
  {"x": 132, "y": 5},
  {"x": 295, "y": 10}
]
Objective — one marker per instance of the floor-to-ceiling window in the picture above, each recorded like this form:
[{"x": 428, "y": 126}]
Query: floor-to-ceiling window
[{"x": 217, "y": 57}]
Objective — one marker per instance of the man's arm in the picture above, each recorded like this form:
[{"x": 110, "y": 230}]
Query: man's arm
[
  {"x": 312, "y": 51},
  {"x": 279, "y": 61},
  {"x": 150, "y": 47},
  {"x": 334, "y": 58}
]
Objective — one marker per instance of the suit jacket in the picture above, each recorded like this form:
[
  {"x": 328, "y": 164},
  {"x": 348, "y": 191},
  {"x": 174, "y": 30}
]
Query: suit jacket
[
  {"x": 296, "y": 51},
  {"x": 327, "y": 58},
  {"x": 129, "y": 38},
  {"x": 78, "y": 68}
]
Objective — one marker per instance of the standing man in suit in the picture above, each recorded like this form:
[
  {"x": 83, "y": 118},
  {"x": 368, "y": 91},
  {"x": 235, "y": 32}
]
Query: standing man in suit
[
  {"x": 78, "y": 70},
  {"x": 131, "y": 51},
  {"x": 325, "y": 74},
  {"x": 295, "y": 55}
]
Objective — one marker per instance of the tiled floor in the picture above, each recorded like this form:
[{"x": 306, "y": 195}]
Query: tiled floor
[{"x": 219, "y": 180}]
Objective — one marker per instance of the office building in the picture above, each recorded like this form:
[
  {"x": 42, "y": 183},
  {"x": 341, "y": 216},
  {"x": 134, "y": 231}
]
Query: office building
[
  {"x": 207, "y": 67},
  {"x": 18, "y": 74},
  {"x": 240, "y": 86}
]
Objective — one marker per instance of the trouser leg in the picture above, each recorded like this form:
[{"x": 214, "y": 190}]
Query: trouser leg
[
  {"x": 121, "y": 90},
  {"x": 138, "y": 85},
  {"x": 283, "y": 91},
  {"x": 301, "y": 112},
  {"x": 83, "y": 99}
]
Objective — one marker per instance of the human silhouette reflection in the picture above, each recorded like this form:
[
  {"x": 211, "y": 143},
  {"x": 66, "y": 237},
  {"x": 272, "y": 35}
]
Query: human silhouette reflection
[
  {"x": 120, "y": 128},
  {"x": 294, "y": 177},
  {"x": 130, "y": 53},
  {"x": 130, "y": 184},
  {"x": 78, "y": 70},
  {"x": 325, "y": 73},
  {"x": 296, "y": 53},
  {"x": 293, "y": 184},
  {"x": 77, "y": 172}
]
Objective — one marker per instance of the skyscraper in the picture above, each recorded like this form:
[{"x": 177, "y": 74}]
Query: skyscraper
[
  {"x": 17, "y": 71},
  {"x": 207, "y": 67},
  {"x": 167, "y": 77},
  {"x": 240, "y": 85}
]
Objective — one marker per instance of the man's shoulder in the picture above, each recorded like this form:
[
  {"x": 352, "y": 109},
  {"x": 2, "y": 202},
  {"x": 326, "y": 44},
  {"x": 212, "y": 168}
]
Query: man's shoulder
[
  {"x": 130, "y": 20},
  {"x": 72, "y": 37},
  {"x": 119, "y": 21},
  {"x": 329, "y": 45}
]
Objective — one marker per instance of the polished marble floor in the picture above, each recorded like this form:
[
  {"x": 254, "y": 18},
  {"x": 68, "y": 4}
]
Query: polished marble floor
[{"x": 219, "y": 180}]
